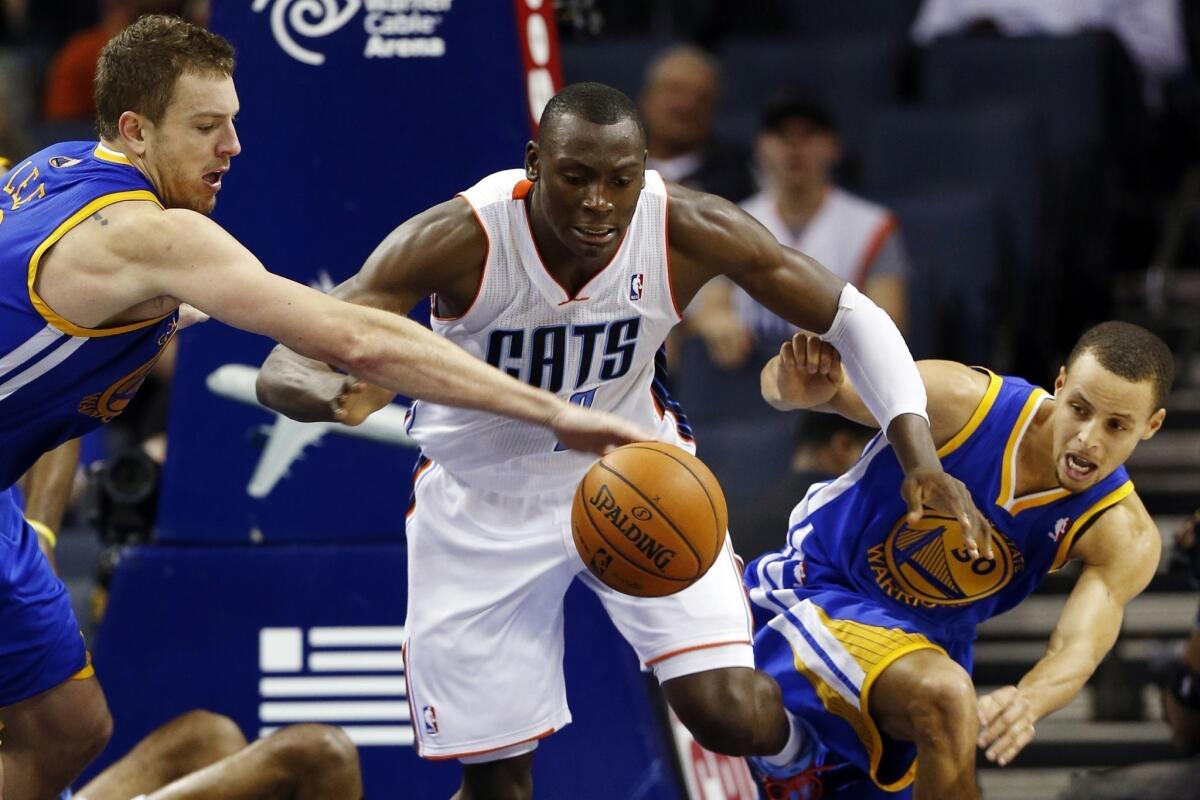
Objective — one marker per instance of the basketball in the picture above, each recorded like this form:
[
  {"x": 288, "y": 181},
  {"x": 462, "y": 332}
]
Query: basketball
[{"x": 649, "y": 519}]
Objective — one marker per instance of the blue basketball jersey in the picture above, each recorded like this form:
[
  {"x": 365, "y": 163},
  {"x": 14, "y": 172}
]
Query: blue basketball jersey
[
  {"x": 58, "y": 380},
  {"x": 852, "y": 532}
]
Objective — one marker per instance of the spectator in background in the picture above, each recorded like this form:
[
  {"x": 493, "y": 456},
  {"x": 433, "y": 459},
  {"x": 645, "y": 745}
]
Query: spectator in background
[
  {"x": 69, "y": 85},
  {"x": 797, "y": 149},
  {"x": 826, "y": 446},
  {"x": 678, "y": 105}
]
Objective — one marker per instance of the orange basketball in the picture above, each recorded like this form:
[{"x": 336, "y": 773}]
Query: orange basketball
[{"x": 649, "y": 519}]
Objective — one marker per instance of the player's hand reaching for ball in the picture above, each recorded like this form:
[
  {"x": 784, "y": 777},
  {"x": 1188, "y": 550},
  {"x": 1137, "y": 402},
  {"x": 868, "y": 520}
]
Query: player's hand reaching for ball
[
  {"x": 931, "y": 488},
  {"x": 597, "y": 432},
  {"x": 1006, "y": 724},
  {"x": 807, "y": 373}
]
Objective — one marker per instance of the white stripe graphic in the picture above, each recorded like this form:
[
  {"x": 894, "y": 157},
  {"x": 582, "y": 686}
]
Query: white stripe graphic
[
  {"x": 364, "y": 735},
  {"x": 833, "y": 648},
  {"x": 27, "y": 349},
  {"x": 41, "y": 367},
  {"x": 333, "y": 711},
  {"x": 362, "y": 636},
  {"x": 356, "y": 661},
  {"x": 332, "y": 687},
  {"x": 811, "y": 659}
]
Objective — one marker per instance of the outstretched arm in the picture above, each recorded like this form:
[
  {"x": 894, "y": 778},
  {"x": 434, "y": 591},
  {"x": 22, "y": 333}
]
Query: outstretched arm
[
  {"x": 185, "y": 255},
  {"x": 711, "y": 236},
  {"x": 1120, "y": 554}
]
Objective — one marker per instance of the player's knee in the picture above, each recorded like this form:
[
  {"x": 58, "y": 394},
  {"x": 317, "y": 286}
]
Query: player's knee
[
  {"x": 313, "y": 747},
  {"x": 728, "y": 716},
  {"x": 90, "y": 734},
  {"x": 942, "y": 708},
  {"x": 205, "y": 737}
]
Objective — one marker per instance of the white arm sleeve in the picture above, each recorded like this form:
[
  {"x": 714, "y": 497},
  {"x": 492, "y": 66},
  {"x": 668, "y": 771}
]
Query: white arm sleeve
[{"x": 876, "y": 358}]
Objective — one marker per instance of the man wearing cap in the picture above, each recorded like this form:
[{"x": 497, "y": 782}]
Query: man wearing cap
[{"x": 796, "y": 151}]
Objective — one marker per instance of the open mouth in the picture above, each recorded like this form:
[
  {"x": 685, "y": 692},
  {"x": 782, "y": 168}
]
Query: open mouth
[
  {"x": 1077, "y": 467},
  {"x": 595, "y": 234},
  {"x": 213, "y": 179}
]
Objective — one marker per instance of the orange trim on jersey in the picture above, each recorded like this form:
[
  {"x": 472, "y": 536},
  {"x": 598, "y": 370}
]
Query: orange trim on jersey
[
  {"x": 539, "y": 737},
  {"x": 412, "y": 711},
  {"x": 977, "y": 416},
  {"x": 1008, "y": 467},
  {"x": 1076, "y": 530},
  {"x": 662, "y": 414},
  {"x": 482, "y": 272},
  {"x": 49, "y": 314},
  {"x": 693, "y": 648},
  {"x": 872, "y": 252},
  {"x": 521, "y": 190},
  {"x": 421, "y": 470}
]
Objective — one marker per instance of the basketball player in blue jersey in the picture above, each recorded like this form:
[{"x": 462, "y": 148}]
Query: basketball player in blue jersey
[
  {"x": 867, "y": 616},
  {"x": 568, "y": 274},
  {"x": 100, "y": 243}
]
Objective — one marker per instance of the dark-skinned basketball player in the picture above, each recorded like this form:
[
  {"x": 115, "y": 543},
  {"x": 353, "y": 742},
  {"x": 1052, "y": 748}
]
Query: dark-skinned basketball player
[
  {"x": 568, "y": 274},
  {"x": 867, "y": 619}
]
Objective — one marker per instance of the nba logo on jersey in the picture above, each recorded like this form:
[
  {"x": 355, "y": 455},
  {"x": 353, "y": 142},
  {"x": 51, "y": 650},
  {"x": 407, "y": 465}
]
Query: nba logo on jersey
[
  {"x": 636, "y": 282},
  {"x": 430, "y": 717}
]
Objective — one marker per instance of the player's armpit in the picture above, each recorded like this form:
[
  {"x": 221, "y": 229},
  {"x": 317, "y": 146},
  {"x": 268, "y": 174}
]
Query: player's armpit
[{"x": 438, "y": 252}]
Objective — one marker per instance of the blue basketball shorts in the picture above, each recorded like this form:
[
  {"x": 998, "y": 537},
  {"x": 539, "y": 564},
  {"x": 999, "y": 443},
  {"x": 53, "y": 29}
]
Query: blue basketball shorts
[
  {"x": 826, "y": 647},
  {"x": 40, "y": 642}
]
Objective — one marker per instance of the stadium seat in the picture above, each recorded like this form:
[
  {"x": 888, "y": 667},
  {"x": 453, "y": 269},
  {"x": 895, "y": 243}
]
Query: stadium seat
[
  {"x": 709, "y": 394},
  {"x": 620, "y": 63},
  {"x": 821, "y": 19},
  {"x": 951, "y": 240},
  {"x": 853, "y": 78}
]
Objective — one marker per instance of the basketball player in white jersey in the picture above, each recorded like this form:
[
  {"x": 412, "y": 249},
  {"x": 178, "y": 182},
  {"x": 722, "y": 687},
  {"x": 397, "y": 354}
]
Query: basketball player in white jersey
[{"x": 568, "y": 274}]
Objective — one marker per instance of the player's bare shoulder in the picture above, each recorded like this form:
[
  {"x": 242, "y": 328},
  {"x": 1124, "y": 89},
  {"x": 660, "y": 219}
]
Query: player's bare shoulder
[
  {"x": 440, "y": 251},
  {"x": 954, "y": 391},
  {"x": 93, "y": 275},
  {"x": 709, "y": 236},
  {"x": 1123, "y": 538}
]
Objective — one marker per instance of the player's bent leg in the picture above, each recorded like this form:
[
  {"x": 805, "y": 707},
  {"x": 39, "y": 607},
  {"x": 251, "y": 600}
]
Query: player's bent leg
[
  {"x": 184, "y": 745},
  {"x": 299, "y": 762},
  {"x": 926, "y": 698},
  {"x": 49, "y": 738},
  {"x": 736, "y": 710},
  {"x": 504, "y": 779}
]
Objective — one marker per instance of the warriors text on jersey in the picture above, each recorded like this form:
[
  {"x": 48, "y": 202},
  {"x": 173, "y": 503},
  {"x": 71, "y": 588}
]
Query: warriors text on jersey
[
  {"x": 57, "y": 380},
  {"x": 597, "y": 348}
]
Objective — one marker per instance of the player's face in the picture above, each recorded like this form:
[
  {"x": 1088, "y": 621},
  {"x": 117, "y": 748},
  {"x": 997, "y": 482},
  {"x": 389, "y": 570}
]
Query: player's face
[
  {"x": 589, "y": 178},
  {"x": 189, "y": 150},
  {"x": 798, "y": 155},
  {"x": 1099, "y": 418}
]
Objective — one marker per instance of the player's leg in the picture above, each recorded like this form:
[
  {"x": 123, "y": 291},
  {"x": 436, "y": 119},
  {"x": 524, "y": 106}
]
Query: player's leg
[
  {"x": 180, "y": 747},
  {"x": 698, "y": 642},
  {"x": 49, "y": 738},
  {"x": 926, "y": 698},
  {"x": 503, "y": 779},
  {"x": 299, "y": 762},
  {"x": 487, "y": 576},
  {"x": 54, "y": 714}
]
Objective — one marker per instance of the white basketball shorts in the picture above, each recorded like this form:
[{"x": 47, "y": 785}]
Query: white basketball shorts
[{"x": 486, "y": 578}]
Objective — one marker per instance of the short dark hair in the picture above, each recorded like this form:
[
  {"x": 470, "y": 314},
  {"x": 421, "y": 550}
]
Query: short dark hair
[
  {"x": 139, "y": 66},
  {"x": 1130, "y": 351},
  {"x": 796, "y": 103},
  {"x": 817, "y": 429},
  {"x": 595, "y": 102}
]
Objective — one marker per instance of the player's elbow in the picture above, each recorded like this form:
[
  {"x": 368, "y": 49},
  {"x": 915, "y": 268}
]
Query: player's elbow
[{"x": 354, "y": 348}]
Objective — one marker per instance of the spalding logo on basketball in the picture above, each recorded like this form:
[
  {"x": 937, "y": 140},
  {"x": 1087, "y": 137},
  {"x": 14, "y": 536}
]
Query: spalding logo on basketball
[
  {"x": 929, "y": 561},
  {"x": 649, "y": 519}
]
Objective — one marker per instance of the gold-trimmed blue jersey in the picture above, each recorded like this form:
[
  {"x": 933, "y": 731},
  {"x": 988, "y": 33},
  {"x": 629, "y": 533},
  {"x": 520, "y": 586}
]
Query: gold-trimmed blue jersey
[
  {"x": 58, "y": 380},
  {"x": 852, "y": 532}
]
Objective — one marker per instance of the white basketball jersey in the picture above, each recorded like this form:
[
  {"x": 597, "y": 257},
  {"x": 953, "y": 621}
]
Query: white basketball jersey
[{"x": 598, "y": 348}]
